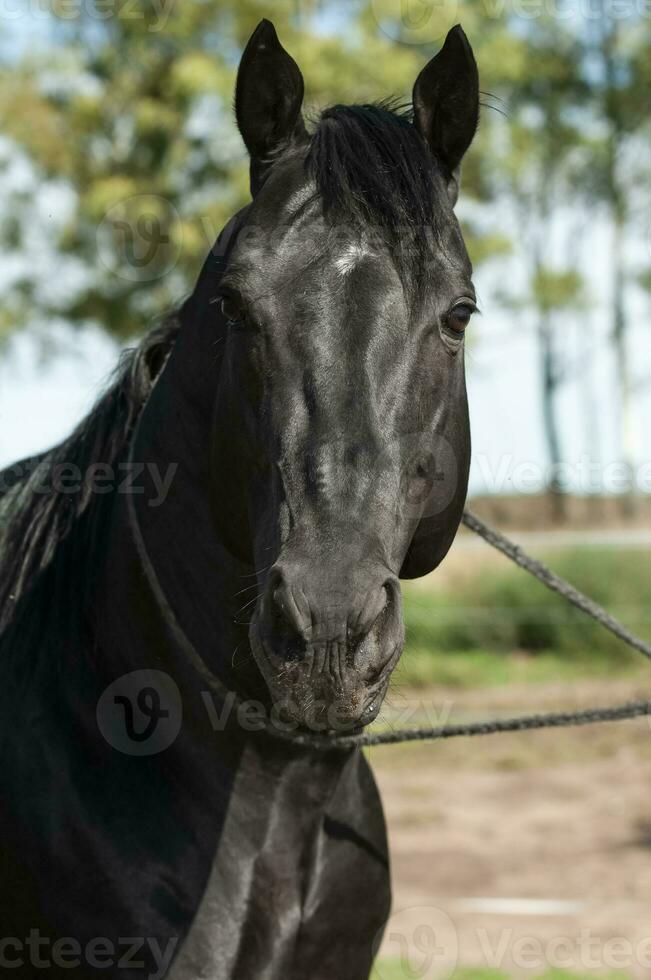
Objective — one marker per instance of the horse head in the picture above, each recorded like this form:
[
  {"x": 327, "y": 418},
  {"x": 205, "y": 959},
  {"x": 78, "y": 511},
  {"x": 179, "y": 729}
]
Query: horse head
[{"x": 341, "y": 439}]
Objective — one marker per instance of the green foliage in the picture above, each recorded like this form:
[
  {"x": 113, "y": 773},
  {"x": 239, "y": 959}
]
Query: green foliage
[
  {"x": 554, "y": 290},
  {"x": 136, "y": 117},
  {"x": 134, "y": 113},
  {"x": 644, "y": 279},
  {"x": 468, "y": 633}
]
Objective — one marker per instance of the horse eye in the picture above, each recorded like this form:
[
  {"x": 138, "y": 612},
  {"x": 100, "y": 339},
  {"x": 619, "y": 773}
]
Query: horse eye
[
  {"x": 459, "y": 317},
  {"x": 232, "y": 309}
]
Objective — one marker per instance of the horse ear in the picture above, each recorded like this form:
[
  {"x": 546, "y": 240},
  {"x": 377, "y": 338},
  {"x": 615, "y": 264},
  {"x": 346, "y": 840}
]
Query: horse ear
[
  {"x": 446, "y": 104},
  {"x": 268, "y": 99}
]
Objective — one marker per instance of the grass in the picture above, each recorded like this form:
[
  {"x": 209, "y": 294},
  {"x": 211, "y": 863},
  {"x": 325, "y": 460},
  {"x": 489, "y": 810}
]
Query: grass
[
  {"x": 497, "y": 625},
  {"x": 466, "y": 669},
  {"x": 392, "y": 970}
]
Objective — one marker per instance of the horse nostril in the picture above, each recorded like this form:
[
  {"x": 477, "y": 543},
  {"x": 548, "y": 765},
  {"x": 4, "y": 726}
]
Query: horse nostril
[
  {"x": 386, "y": 599},
  {"x": 325, "y": 613},
  {"x": 388, "y": 593},
  {"x": 280, "y": 612},
  {"x": 376, "y": 602},
  {"x": 284, "y": 613}
]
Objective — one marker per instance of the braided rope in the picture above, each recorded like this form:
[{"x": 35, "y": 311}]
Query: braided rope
[
  {"x": 524, "y": 723},
  {"x": 329, "y": 742},
  {"x": 591, "y": 716},
  {"x": 555, "y": 582}
]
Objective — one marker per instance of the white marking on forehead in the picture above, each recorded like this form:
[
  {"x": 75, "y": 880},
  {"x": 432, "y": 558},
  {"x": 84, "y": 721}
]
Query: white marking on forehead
[{"x": 351, "y": 256}]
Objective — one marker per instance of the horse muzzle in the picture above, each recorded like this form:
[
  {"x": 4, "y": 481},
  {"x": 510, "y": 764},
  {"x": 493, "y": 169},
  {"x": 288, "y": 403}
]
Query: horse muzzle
[{"x": 326, "y": 643}]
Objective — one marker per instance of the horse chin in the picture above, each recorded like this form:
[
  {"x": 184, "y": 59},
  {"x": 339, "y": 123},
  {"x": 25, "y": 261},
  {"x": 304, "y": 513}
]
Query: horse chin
[{"x": 319, "y": 691}]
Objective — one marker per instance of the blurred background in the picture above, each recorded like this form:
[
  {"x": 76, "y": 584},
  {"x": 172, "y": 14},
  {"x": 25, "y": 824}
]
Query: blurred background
[{"x": 119, "y": 165}]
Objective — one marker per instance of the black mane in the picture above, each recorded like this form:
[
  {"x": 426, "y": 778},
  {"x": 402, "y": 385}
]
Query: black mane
[
  {"x": 373, "y": 168},
  {"x": 46, "y": 533}
]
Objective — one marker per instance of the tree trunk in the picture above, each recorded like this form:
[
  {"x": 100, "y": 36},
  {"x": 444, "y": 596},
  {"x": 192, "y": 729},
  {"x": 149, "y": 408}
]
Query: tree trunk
[
  {"x": 549, "y": 386},
  {"x": 592, "y": 438},
  {"x": 613, "y": 111},
  {"x": 622, "y": 371}
]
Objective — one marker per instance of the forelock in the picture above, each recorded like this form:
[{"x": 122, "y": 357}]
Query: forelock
[{"x": 373, "y": 171}]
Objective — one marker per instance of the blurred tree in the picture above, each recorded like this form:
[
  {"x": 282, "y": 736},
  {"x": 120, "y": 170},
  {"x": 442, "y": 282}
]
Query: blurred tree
[
  {"x": 615, "y": 56},
  {"x": 554, "y": 293},
  {"x": 131, "y": 109},
  {"x": 539, "y": 157},
  {"x": 133, "y": 112}
]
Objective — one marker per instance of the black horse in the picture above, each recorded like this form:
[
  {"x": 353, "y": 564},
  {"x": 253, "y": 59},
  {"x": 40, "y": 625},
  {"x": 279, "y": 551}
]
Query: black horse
[{"x": 199, "y": 589}]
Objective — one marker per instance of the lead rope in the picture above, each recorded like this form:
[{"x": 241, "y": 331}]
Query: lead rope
[
  {"x": 523, "y": 723},
  {"x": 554, "y": 582},
  {"x": 591, "y": 716}
]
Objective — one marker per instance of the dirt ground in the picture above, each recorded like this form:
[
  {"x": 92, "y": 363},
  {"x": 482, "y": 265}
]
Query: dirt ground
[{"x": 522, "y": 852}]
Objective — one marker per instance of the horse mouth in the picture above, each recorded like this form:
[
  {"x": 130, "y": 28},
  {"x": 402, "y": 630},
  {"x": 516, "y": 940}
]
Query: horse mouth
[{"x": 316, "y": 687}]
